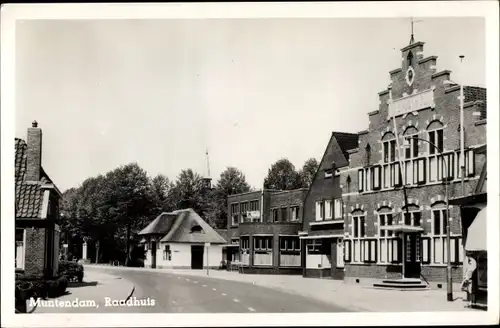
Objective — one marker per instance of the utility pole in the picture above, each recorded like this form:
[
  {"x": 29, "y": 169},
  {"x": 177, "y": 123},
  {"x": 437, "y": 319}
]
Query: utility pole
[{"x": 462, "y": 134}]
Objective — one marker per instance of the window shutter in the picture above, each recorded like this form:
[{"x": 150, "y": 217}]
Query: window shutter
[
  {"x": 360, "y": 180},
  {"x": 397, "y": 176},
  {"x": 470, "y": 163},
  {"x": 318, "y": 211},
  {"x": 373, "y": 251},
  {"x": 368, "y": 184},
  {"x": 377, "y": 179},
  {"x": 328, "y": 209},
  {"x": 347, "y": 251}
]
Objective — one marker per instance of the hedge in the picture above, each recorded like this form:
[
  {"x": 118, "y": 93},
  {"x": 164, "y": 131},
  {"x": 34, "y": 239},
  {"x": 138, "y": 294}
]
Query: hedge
[{"x": 35, "y": 287}]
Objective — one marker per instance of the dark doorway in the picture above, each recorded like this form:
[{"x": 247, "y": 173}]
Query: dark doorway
[
  {"x": 412, "y": 252},
  {"x": 197, "y": 257},
  {"x": 153, "y": 254}
]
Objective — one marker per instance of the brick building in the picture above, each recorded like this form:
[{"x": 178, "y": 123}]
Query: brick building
[
  {"x": 383, "y": 237},
  {"x": 263, "y": 228},
  {"x": 37, "y": 209},
  {"x": 323, "y": 227}
]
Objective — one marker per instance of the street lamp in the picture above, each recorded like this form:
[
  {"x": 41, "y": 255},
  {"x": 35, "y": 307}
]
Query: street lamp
[
  {"x": 462, "y": 129},
  {"x": 406, "y": 144}
]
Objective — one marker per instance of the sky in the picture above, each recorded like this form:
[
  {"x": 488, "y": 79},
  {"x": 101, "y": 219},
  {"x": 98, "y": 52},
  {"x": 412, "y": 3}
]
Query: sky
[{"x": 251, "y": 91}]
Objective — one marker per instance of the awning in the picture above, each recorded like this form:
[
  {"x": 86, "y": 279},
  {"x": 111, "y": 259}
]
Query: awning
[
  {"x": 476, "y": 235},
  {"x": 321, "y": 236},
  {"x": 402, "y": 228}
]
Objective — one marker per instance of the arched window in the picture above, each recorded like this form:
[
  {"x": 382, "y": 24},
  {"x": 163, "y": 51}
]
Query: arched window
[
  {"x": 389, "y": 147},
  {"x": 411, "y": 138},
  {"x": 435, "y": 130},
  {"x": 409, "y": 59}
]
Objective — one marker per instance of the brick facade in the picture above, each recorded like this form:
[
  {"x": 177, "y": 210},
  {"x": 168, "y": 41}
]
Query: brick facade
[
  {"x": 37, "y": 209},
  {"x": 435, "y": 106},
  {"x": 267, "y": 225}
]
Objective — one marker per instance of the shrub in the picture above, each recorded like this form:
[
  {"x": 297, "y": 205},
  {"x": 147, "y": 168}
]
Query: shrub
[{"x": 72, "y": 270}]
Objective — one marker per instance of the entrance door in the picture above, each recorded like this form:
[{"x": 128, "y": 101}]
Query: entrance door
[
  {"x": 153, "y": 254},
  {"x": 412, "y": 255},
  {"x": 197, "y": 256}
]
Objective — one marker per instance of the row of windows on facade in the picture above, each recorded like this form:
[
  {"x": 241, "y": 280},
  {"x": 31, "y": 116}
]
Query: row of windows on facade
[
  {"x": 418, "y": 171},
  {"x": 329, "y": 209},
  {"x": 435, "y": 137},
  {"x": 283, "y": 214},
  {"x": 265, "y": 243},
  {"x": 439, "y": 223},
  {"x": 428, "y": 250}
]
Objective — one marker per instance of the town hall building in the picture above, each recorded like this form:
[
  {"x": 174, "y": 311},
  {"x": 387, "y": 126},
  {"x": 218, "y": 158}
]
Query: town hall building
[{"x": 410, "y": 160}]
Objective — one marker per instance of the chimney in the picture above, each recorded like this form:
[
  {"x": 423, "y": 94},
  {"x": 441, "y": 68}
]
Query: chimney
[{"x": 34, "y": 154}]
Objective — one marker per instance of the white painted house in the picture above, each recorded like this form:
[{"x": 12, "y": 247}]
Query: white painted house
[{"x": 181, "y": 239}]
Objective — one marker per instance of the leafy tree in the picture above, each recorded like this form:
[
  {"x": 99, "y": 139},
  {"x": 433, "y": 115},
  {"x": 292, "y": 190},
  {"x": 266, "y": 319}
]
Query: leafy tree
[
  {"x": 162, "y": 189},
  {"x": 127, "y": 200},
  {"x": 231, "y": 181},
  {"x": 187, "y": 192},
  {"x": 308, "y": 171},
  {"x": 283, "y": 176}
]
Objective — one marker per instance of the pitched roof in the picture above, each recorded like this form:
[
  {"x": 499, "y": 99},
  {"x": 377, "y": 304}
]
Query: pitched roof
[
  {"x": 29, "y": 196},
  {"x": 223, "y": 233},
  {"x": 181, "y": 230},
  {"x": 161, "y": 225},
  {"x": 346, "y": 141}
]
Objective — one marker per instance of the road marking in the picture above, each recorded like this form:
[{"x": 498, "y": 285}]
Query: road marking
[
  {"x": 223, "y": 294},
  {"x": 174, "y": 302},
  {"x": 214, "y": 289},
  {"x": 204, "y": 285},
  {"x": 195, "y": 282},
  {"x": 187, "y": 279},
  {"x": 235, "y": 300},
  {"x": 251, "y": 309}
]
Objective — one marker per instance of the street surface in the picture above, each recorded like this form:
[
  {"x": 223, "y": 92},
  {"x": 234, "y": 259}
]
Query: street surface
[{"x": 175, "y": 293}]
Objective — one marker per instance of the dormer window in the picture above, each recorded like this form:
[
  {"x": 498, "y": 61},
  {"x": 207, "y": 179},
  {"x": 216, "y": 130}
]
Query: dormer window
[
  {"x": 196, "y": 229},
  {"x": 328, "y": 173}
]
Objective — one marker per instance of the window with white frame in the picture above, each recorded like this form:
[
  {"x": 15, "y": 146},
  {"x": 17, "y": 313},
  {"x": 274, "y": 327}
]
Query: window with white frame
[
  {"x": 167, "y": 253},
  {"x": 294, "y": 213},
  {"x": 370, "y": 178},
  {"x": 338, "y": 208},
  {"x": 419, "y": 171},
  {"x": 314, "y": 246},
  {"x": 387, "y": 253},
  {"x": 275, "y": 214},
  {"x": 389, "y": 148},
  {"x": 369, "y": 250},
  {"x": 436, "y": 137},
  {"x": 358, "y": 233},
  {"x": 284, "y": 214},
  {"x": 235, "y": 212},
  {"x": 254, "y": 205},
  {"x": 20, "y": 248},
  {"x": 411, "y": 138},
  {"x": 263, "y": 250},
  {"x": 244, "y": 244},
  {"x": 320, "y": 210},
  {"x": 243, "y": 211},
  {"x": 439, "y": 219},
  {"x": 328, "y": 209},
  {"x": 289, "y": 244},
  {"x": 328, "y": 173},
  {"x": 469, "y": 163},
  {"x": 412, "y": 218}
]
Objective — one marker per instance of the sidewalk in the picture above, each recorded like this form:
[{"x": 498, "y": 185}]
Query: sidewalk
[
  {"x": 96, "y": 286},
  {"x": 336, "y": 292}
]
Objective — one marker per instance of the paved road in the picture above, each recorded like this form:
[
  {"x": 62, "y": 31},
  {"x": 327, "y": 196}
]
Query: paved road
[{"x": 175, "y": 293}]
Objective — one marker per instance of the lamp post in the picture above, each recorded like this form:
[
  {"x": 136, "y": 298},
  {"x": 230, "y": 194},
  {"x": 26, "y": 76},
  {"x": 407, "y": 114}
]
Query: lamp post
[{"x": 449, "y": 281}]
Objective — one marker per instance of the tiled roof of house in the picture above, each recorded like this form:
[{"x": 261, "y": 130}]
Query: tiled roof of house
[
  {"x": 346, "y": 141},
  {"x": 223, "y": 233},
  {"x": 161, "y": 225},
  {"x": 29, "y": 197},
  {"x": 182, "y": 232},
  {"x": 476, "y": 93}
]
